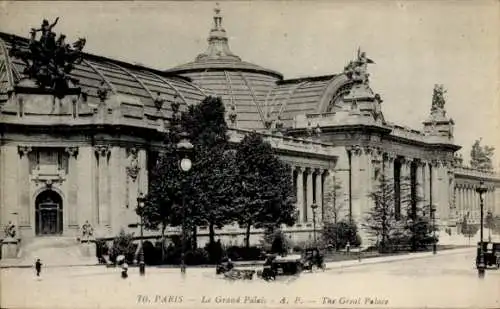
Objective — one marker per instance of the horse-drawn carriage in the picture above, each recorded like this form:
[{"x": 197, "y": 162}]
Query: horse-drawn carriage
[
  {"x": 491, "y": 253},
  {"x": 226, "y": 268},
  {"x": 312, "y": 258},
  {"x": 292, "y": 264}
]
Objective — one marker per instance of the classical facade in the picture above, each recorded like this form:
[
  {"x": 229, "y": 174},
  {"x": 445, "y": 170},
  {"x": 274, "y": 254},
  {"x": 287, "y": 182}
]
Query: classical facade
[{"x": 82, "y": 153}]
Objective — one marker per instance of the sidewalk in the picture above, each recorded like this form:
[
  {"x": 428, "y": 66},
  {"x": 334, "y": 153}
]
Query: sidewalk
[
  {"x": 394, "y": 258},
  {"x": 252, "y": 264}
]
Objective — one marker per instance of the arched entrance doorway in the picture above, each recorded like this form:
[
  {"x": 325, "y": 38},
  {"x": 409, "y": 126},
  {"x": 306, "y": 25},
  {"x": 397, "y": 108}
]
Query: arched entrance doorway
[{"x": 49, "y": 215}]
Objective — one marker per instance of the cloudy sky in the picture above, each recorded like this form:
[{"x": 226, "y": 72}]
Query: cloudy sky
[{"x": 415, "y": 44}]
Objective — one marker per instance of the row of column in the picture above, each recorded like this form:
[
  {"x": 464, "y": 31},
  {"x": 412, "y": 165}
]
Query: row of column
[
  {"x": 309, "y": 186},
  {"x": 468, "y": 201},
  {"x": 431, "y": 180}
]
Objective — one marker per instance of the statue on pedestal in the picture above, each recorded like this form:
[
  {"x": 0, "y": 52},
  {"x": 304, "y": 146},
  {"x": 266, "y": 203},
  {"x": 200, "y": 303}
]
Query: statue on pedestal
[
  {"x": 10, "y": 230},
  {"x": 87, "y": 231}
]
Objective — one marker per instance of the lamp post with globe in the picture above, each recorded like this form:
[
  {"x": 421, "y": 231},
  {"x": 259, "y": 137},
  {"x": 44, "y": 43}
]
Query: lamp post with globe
[
  {"x": 140, "y": 207},
  {"x": 314, "y": 207},
  {"x": 480, "y": 264},
  {"x": 142, "y": 265},
  {"x": 184, "y": 148}
]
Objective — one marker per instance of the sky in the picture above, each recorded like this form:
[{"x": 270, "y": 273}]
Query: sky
[{"x": 415, "y": 44}]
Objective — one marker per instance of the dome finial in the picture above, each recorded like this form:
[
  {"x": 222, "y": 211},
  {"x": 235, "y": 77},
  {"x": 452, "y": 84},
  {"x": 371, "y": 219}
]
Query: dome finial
[
  {"x": 218, "y": 46},
  {"x": 217, "y": 17}
]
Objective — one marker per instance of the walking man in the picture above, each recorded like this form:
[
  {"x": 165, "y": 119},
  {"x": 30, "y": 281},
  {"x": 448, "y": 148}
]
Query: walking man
[{"x": 38, "y": 267}]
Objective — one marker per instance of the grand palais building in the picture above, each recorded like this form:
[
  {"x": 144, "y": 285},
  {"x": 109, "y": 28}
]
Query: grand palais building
[{"x": 85, "y": 156}]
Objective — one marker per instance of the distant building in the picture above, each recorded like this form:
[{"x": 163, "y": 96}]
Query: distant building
[{"x": 86, "y": 156}]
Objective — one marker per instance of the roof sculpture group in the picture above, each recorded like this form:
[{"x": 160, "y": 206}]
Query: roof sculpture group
[
  {"x": 438, "y": 99},
  {"x": 50, "y": 61},
  {"x": 356, "y": 70}
]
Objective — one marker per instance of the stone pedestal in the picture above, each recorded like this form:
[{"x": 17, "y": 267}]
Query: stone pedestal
[
  {"x": 9, "y": 248},
  {"x": 88, "y": 248}
]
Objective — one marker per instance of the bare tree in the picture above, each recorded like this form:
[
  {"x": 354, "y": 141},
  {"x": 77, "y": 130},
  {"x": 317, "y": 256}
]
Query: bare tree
[{"x": 334, "y": 201}]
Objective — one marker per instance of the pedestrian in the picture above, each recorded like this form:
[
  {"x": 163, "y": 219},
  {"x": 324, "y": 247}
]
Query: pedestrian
[
  {"x": 124, "y": 270},
  {"x": 38, "y": 267}
]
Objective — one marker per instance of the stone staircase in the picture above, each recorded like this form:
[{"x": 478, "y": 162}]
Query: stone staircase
[{"x": 53, "y": 251}]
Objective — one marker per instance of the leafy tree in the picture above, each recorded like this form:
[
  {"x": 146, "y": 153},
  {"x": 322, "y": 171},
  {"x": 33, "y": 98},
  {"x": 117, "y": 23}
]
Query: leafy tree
[
  {"x": 419, "y": 228},
  {"x": 165, "y": 181},
  {"x": 202, "y": 196},
  {"x": 340, "y": 233},
  {"x": 213, "y": 174},
  {"x": 489, "y": 221},
  {"x": 481, "y": 156},
  {"x": 123, "y": 245},
  {"x": 275, "y": 241},
  {"x": 264, "y": 192}
]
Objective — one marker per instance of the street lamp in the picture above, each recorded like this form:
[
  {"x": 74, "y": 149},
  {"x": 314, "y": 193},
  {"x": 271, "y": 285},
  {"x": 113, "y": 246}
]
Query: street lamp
[
  {"x": 480, "y": 266},
  {"x": 314, "y": 206},
  {"x": 184, "y": 148},
  {"x": 140, "y": 206},
  {"x": 433, "y": 218}
]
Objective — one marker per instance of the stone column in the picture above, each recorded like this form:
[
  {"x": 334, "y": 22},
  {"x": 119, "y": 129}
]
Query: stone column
[
  {"x": 118, "y": 189},
  {"x": 300, "y": 194},
  {"x": 368, "y": 175},
  {"x": 103, "y": 152},
  {"x": 72, "y": 187},
  {"x": 460, "y": 199},
  {"x": 389, "y": 166},
  {"x": 319, "y": 194},
  {"x": 470, "y": 207},
  {"x": 434, "y": 190},
  {"x": 357, "y": 170},
  {"x": 451, "y": 195},
  {"x": 427, "y": 182},
  {"x": 87, "y": 203},
  {"x": 23, "y": 187},
  {"x": 309, "y": 193},
  {"x": 496, "y": 200},
  {"x": 420, "y": 184},
  {"x": 143, "y": 174},
  {"x": 340, "y": 177},
  {"x": 474, "y": 202}
]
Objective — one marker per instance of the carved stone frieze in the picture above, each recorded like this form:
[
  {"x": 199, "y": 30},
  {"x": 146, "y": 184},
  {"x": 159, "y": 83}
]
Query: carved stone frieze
[
  {"x": 72, "y": 151},
  {"x": 356, "y": 150},
  {"x": 389, "y": 156},
  {"x": 102, "y": 150},
  {"x": 24, "y": 150},
  {"x": 133, "y": 163}
]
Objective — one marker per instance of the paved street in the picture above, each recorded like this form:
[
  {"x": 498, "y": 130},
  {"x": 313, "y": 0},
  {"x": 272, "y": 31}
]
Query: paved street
[{"x": 444, "y": 280}]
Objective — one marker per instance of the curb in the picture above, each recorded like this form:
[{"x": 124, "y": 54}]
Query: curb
[{"x": 427, "y": 255}]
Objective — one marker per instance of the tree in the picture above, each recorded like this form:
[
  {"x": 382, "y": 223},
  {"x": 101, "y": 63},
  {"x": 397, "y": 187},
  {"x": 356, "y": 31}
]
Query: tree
[
  {"x": 213, "y": 174},
  {"x": 164, "y": 191},
  {"x": 481, "y": 156},
  {"x": 380, "y": 221},
  {"x": 339, "y": 233},
  {"x": 420, "y": 228},
  {"x": 123, "y": 244},
  {"x": 408, "y": 226},
  {"x": 489, "y": 221},
  {"x": 202, "y": 196},
  {"x": 264, "y": 192},
  {"x": 334, "y": 201}
]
